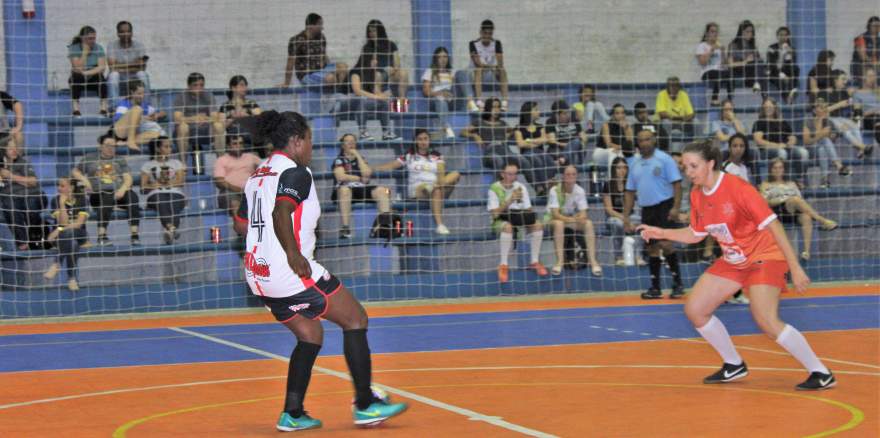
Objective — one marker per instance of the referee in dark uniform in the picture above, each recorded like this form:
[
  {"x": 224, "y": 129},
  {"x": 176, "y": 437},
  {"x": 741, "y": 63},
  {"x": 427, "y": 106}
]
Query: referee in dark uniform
[{"x": 655, "y": 180}]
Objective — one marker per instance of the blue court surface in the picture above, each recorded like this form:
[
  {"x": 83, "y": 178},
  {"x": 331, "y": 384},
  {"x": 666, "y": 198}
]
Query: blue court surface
[{"x": 419, "y": 333}]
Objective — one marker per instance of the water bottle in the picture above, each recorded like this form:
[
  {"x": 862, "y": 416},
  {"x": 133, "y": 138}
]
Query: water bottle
[{"x": 629, "y": 251}]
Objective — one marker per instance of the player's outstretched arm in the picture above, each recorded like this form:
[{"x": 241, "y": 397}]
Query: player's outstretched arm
[
  {"x": 798, "y": 277},
  {"x": 282, "y": 222},
  {"x": 683, "y": 235}
]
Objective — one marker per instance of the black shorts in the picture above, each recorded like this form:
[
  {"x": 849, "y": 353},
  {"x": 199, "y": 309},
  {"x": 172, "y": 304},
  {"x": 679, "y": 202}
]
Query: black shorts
[
  {"x": 358, "y": 194},
  {"x": 311, "y": 303},
  {"x": 518, "y": 218},
  {"x": 658, "y": 215}
]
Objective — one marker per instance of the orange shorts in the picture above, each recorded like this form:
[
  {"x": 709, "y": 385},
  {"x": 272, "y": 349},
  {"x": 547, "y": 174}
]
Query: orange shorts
[{"x": 768, "y": 272}]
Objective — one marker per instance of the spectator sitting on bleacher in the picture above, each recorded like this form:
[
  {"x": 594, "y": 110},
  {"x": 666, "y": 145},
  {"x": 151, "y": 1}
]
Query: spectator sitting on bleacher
[
  {"x": 70, "y": 212},
  {"x": 727, "y": 125},
  {"x": 567, "y": 208},
  {"x": 744, "y": 59},
  {"x": 127, "y": 60},
  {"x": 566, "y": 139},
  {"x": 490, "y": 132},
  {"x": 612, "y": 199},
  {"x": 644, "y": 122},
  {"x": 775, "y": 139},
  {"x": 712, "y": 60},
  {"x": 786, "y": 200},
  {"x": 782, "y": 69},
  {"x": 195, "y": 117},
  {"x": 487, "y": 64},
  {"x": 21, "y": 200},
  {"x": 840, "y": 112},
  {"x": 590, "y": 111},
  {"x": 369, "y": 85},
  {"x": 437, "y": 85},
  {"x": 511, "y": 208},
  {"x": 821, "y": 77},
  {"x": 9, "y": 103},
  {"x": 866, "y": 50},
  {"x": 231, "y": 171},
  {"x": 307, "y": 56},
  {"x": 87, "y": 64},
  {"x": 135, "y": 120},
  {"x": 162, "y": 180},
  {"x": 673, "y": 108},
  {"x": 867, "y": 101},
  {"x": 352, "y": 174},
  {"x": 818, "y": 131},
  {"x": 737, "y": 162},
  {"x": 108, "y": 181},
  {"x": 426, "y": 176},
  {"x": 237, "y": 104},
  {"x": 531, "y": 138},
  {"x": 386, "y": 51},
  {"x": 616, "y": 139}
]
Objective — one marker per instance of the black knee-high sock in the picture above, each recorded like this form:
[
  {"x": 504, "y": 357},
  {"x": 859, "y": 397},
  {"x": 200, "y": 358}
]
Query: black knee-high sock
[
  {"x": 672, "y": 262},
  {"x": 654, "y": 266},
  {"x": 299, "y": 373},
  {"x": 357, "y": 356}
]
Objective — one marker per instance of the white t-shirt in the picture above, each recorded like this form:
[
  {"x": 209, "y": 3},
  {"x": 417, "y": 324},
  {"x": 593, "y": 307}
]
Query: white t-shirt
[
  {"x": 443, "y": 81},
  {"x": 164, "y": 172},
  {"x": 571, "y": 203},
  {"x": 523, "y": 203},
  {"x": 421, "y": 169},
  {"x": 714, "y": 60},
  {"x": 279, "y": 179},
  {"x": 739, "y": 170}
]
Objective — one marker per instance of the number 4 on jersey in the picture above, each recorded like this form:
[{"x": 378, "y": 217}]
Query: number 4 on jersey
[{"x": 257, "y": 216}]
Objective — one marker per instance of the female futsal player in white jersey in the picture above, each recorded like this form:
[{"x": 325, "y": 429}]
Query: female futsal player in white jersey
[
  {"x": 757, "y": 254},
  {"x": 279, "y": 212}
]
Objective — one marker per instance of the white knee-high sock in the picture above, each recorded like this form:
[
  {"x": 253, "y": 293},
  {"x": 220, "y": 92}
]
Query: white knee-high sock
[
  {"x": 715, "y": 332},
  {"x": 537, "y": 237},
  {"x": 796, "y": 344},
  {"x": 506, "y": 244}
]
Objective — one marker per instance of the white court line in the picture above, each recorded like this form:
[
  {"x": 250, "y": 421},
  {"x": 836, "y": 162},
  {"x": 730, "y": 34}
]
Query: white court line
[
  {"x": 403, "y": 370},
  {"x": 472, "y": 415},
  {"x": 827, "y": 359}
]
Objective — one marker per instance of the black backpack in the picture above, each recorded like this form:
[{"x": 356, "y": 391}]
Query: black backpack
[{"x": 387, "y": 226}]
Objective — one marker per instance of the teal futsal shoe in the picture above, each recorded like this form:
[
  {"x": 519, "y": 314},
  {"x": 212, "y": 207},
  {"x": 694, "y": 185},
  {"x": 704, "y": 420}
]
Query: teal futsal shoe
[
  {"x": 288, "y": 423},
  {"x": 376, "y": 413}
]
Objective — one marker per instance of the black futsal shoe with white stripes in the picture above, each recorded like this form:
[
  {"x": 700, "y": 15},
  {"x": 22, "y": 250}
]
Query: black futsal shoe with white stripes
[
  {"x": 652, "y": 294},
  {"x": 817, "y": 382},
  {"x": 728, "y": 373}
]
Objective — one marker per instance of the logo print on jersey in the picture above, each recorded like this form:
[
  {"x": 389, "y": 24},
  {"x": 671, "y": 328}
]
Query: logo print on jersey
[
  {"x": 733, "y": 254},
  {"x": 727, "y": 209},
  {"x": 255, "y": 267},
  {"x": 263, "y": 171}
]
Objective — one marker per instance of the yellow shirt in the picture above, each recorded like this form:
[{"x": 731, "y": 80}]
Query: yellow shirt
[{"x": 681, "y": 106}]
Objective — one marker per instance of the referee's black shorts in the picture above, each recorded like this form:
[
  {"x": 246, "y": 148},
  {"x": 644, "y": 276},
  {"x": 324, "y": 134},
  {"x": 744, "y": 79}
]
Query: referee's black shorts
[{"x": 657, "y": 215}]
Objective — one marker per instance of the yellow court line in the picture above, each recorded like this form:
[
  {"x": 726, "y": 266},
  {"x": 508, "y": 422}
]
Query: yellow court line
[{"x": 856, "y": 414}]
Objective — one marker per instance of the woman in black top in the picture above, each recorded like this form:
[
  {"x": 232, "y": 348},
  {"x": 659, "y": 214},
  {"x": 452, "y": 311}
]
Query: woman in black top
[
  {"x": 21, "y": 200},
  {"x": 617, "y": 134},
  {"x": 866, "y": 50},
  {"x": 744, "y": 59},
  {"x": 386, "y": 52},
  {"x": 70, "y": 212},
  {"x": 775, "y": 139},
  {"x": 369, "y": 83},
  {"x": 840, "y": 113},
  {"x": 490, "y": 133},
  {"x": 352, "y": 175},
  {"x": 821, "y": 76},
  {"x": 782, "y": 67},
  {"x": 532, "y": 139},
  {"x": 612, "y": 199}
]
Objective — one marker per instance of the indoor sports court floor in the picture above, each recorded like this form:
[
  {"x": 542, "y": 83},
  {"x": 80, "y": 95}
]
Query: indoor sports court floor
[{"x": 564, "y": 366}]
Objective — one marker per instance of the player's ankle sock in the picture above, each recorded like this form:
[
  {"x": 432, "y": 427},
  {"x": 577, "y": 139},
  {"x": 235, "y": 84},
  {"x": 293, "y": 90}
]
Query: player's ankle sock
[
  {"x": 716, "y": 334},
  {"x": 535, "y": 249},
  {"x": 796, "y": 344},
  {"x": 672, "y": 262},
  {"x": 299, "y": 373},
  {"x": 506, "y": 240},
  {"x": 654, "y": 266},
  {"x": 357, "y": 356}
]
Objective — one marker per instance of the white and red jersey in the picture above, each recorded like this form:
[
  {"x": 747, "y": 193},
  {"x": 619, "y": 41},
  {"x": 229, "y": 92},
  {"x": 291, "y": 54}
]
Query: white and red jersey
[
  {"x": 279, "y": 179},
  {"x": 736, "y": 215},
  {"x": 421, "y": 169}
]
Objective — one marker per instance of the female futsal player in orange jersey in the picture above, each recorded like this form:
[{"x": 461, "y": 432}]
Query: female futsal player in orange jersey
[{"x": 756, "y": 256}]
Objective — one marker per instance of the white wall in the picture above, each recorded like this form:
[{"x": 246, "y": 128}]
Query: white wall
[
  {"x": 847, "y": 19},
  {"x": 608, "y": 40},
  {"x": 221, "y": 38}
]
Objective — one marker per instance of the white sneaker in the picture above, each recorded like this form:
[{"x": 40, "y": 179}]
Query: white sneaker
[
  {"x": 442, "y": 230},
  {"x": 742, "y": 299},
  {"x": 472, "y": 107},
  {"x": 450, "y": 134},
  {"x": 756, "y": 88},
  {"x": 503, "y": 106}
]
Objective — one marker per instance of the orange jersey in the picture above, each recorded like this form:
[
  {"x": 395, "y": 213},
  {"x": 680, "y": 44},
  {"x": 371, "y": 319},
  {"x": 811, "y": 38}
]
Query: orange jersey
[{"x": 736, "y": 215}]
